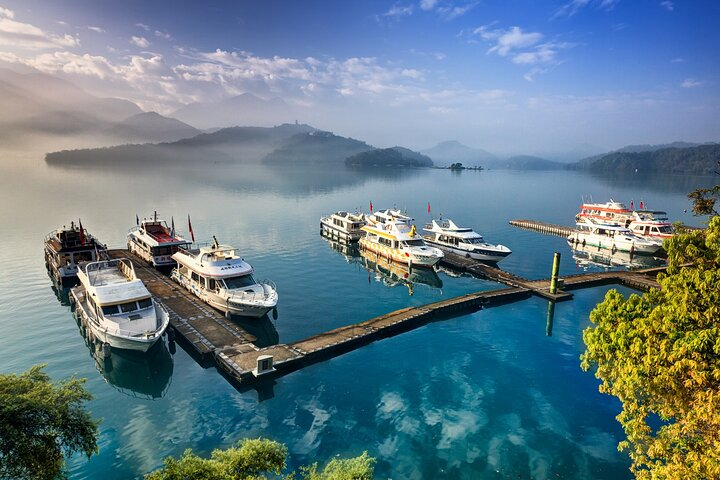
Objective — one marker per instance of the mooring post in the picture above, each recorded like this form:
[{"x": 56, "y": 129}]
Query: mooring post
[{"x": 555, "y": 270}]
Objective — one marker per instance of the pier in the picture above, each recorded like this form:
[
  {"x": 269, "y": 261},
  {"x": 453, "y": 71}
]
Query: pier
[
  {"x": 214, "y": 338},
  {"x": 543, "y": 227}
]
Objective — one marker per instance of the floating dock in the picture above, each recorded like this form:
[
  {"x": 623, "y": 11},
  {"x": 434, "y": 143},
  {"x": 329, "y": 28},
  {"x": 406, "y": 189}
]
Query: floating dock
[
  {"x": 211, "y": 336},
  {"x": 543, "y": 227}
]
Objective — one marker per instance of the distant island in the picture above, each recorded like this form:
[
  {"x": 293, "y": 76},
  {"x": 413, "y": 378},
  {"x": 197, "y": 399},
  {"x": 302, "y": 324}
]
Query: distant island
[{"x": 389, "y": 157}]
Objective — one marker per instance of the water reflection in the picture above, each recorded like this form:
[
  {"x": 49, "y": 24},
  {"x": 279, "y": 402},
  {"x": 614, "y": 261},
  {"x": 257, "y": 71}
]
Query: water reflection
[
  {"x": 550, "y": 319},
  {"x": 587, "y": 257},
  {"x": 262, "y": 328},
  {"x": 389, "y": 274},
  {"x": 145, "y": 375},
  {"x": 234, "y": 176}
]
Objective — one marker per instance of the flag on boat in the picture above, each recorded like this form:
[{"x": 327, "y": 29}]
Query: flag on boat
[
  {"x": 172, "y": 227},
  {"x": 641, "y": 205},
  {"x": 192, "y": 235},
  {"x": 428, "y": 207},
  {"x": 632, "y": 204},
  {"x": 370, "y": 206},
  {"x": 137, "y": 219},
  {"x": 82, "y": 233}
]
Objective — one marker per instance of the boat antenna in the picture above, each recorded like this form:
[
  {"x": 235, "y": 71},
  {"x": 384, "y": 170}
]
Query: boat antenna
[
  {"x": 215, "y": 244},
  {"x": 155, "y": 216}
]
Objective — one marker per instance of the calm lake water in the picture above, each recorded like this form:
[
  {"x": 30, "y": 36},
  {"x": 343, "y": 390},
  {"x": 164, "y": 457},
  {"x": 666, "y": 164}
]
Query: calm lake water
[{"x": 493, "y": 394}]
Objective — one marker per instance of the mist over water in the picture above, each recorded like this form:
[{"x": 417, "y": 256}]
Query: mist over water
[{"x": 484, "y": 395}]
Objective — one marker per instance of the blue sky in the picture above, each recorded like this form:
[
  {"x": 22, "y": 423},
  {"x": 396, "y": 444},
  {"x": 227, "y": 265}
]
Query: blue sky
[{"x": 508, "y": 76}]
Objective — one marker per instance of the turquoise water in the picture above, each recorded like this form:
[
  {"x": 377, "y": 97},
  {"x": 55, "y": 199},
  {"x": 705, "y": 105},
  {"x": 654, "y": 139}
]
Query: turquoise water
[{"x": 484, "y": 395}]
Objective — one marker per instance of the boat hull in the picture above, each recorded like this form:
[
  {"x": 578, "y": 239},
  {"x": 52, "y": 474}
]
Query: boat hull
[
  {"x": 399, "y": 256},
  {"x": 136, "y": 343},
  {"x": 610, "y": 244},
  {"x": 483, "y": 255}
]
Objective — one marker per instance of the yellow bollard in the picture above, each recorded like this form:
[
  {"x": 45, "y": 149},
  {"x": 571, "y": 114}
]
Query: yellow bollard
[{"x": 555, "y": 270}]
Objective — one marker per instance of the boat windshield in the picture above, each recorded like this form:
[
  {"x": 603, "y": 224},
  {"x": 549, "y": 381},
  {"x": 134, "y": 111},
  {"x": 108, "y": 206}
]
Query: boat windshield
[
  {"x": 242, "y": 281},
  {"x": 413, "y": 243},
  {"x": 474, "y": 241}
]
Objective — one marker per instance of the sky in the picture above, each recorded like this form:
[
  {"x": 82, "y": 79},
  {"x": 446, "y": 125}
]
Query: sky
[{"x": 509, "y": 76}]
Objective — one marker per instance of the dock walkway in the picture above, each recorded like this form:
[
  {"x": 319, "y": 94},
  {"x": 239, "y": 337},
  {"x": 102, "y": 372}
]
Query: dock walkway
[{"x": 212, "y": 336}]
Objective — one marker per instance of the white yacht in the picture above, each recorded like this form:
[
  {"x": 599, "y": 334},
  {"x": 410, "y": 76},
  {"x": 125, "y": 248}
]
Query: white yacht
[
  {"x": 117, "y": 307},
  {"x": 394, "y": 238},
  {"x": 611, "y": 237},
  {"x": 218, "y": 276},
  {"x": 66, "y": 248},
  {"x": 653, "y": 225},
  {"x": 609, "y": 213},
  {"x": 343, "y": 226},
  {"x": 155, "y": 242},
  {"x": 447, "y": 236}
]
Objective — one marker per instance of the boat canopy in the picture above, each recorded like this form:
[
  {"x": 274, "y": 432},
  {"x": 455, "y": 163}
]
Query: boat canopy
[{"x": 217, "y": 261}]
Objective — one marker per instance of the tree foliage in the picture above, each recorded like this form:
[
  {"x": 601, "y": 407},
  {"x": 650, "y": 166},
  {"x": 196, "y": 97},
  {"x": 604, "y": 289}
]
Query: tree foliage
[
  {"x": 256, "y": 459},
  {"x": 659, "y": 353},
  {"x": 41, "y": 422}
]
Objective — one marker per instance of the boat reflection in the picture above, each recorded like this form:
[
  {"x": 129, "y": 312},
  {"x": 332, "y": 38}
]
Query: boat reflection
[
  {"x": 391, "y": 273},
  {"x": 588, "y": 257},
  {"x": 145, "y": 375}
]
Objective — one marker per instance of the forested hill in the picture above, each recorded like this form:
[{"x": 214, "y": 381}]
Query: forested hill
[{"x": 699, "y": 160}]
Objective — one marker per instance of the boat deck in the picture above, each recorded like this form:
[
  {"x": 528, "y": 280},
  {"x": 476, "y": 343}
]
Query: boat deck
[
  {"x": 210, "y": 335},
  {"x": 107, "y": 276}
]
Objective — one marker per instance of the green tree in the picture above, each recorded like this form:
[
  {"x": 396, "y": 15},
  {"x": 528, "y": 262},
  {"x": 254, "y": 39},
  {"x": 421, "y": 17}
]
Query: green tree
[
  {"x": 659, "y": 353},
  {"x": 41, "y": 422},
  {"x": 255, "y": 459}
]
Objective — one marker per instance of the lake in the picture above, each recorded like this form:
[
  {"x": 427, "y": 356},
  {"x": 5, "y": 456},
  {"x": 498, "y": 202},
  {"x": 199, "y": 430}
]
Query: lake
[{"x": 493, "y": 394}]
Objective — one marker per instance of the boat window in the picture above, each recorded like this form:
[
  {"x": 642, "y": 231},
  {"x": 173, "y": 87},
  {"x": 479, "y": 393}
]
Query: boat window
[
  {"x": 110, "y": 310},
  {"x": 665, "y": 229},
  {"x": 414, "y": 243},
  {"x": 128, "y": 307},
  {"x": 161, "y": 251},
  {"x": 145, "y": 303},
  {"x": 211, "y": 284},
  {"x": 239, "y": 282},
  {"x": 195, "y": 276}
]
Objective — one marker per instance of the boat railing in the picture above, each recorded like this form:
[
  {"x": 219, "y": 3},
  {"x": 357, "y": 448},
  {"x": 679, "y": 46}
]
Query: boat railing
[
  {"x": 123, "y": 265},
  {"x": 251, "y": 296}
]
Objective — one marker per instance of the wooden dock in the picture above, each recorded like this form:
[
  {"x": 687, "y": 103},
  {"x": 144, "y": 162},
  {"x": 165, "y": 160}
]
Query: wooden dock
[
  {"x": 211, "y": 336},
  {"x": 543, "y": 227}
]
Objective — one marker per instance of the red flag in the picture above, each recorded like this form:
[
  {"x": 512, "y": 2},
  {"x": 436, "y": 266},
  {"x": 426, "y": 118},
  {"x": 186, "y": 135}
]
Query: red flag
[
  {"x": 641, "y": 205},
  {"x": 370, "y": 206},
  {"x": 632, "y": 205},
  {"x": 428, "y": 207},
  {"x": 82, "y": 233},
  {"x": 192, "y": 235}
]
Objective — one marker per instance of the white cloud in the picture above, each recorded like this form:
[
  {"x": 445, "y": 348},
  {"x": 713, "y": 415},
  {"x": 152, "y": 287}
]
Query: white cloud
[
  {"x": 667, "y": 5},
  {"x": 71, "y": 63},
  {"x": 143, "y": 26},
  {"x": 141, "y": 42},
  {"x": 677, "y": 60},
  {"x": 571, "y": 8},
  {"x": 397, "y": 11},
  {"x": 164, "y": 35},
  {"x": 96, "y": 29},
  {"x": 507, "y": 40},
  {"x": 20, "y": 35},
  {"x": 428, "y": 4},
  {"x": 690, "y": 83},
  {"x": 451, "y": 13}
]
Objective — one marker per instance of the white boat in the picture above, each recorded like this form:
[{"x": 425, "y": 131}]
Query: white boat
[
  {"x": 219, "y": 277},
  {"x": 116, "y": 306},
  {"x": 155, "y": 242},
  {"x": 609, "y": 213},
  {"x": 394, "y": 238},
  {"x": 343, "y": 226},
  {"x": 448, "y": 237},
  {"x": 590, "y": 257},
  {"x": 652, "y": 225},
  {"x": 388, "y": 216},
  {"x": 611, "y": 237},
  {"x": 66, "y": 248}
]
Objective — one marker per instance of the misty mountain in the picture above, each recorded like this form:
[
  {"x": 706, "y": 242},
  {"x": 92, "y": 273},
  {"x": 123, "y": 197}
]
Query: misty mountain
[
  {"x": 236, "y": 144},
  {"x": 452, "y": 152},
  {"x": 697, "y": 160},
  {"x": 245, "y": 109},
  {"x": 316, "y": 147},
  {"x": 151, "y": 127},
  {"x": 389, "y": 157}
]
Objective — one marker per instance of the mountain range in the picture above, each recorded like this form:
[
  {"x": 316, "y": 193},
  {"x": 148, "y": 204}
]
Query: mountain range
[{"x": 241, "y": 110}]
